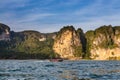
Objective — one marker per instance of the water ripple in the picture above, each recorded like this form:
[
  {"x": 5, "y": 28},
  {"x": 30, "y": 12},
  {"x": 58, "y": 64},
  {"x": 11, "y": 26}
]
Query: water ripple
[{"x": 66, "y": 70}]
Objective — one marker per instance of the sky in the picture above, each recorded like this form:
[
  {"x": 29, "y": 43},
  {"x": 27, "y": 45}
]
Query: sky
[{"x": 51, "y": 15}]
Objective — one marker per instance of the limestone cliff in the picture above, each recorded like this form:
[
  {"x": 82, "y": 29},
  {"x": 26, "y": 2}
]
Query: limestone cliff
[
  {"x": 104, "y": 43},
  {"x": 4, "y": 32},
  {"x": 67, "y": 42},
  {"x": 101, "y": 44}
]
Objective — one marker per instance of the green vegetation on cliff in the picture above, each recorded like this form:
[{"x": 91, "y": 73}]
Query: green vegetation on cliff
[
  {"x": 83, "y": 42},
  {"x": 78, "y": 51},
  {"x": 90, "y": 37},
  {"x": 108, "y": 33}
]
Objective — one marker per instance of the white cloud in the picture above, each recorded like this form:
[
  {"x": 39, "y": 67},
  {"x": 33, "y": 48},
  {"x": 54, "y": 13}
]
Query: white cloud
[
  {"x": 34, "y": 17},
  {"x": 99, "y": 8},
  {"x": 12, "y": 3}
]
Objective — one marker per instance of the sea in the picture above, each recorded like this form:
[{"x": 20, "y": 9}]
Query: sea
[{"x": 66, "y": 70}]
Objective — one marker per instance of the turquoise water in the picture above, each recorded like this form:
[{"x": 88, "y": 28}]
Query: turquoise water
[{"x": 66, "y": 70}]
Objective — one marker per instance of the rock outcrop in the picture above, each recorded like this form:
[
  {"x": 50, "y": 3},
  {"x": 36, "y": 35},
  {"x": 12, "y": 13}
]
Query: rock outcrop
[
  {"x": 67, "y": 42},
  {"x": 104, "y": 43},
  {"x": 4, "y": 32}
]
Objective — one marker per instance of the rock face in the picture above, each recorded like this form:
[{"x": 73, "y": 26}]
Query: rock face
[
  {"x": 4, "y": 32},
  {"x": 66, "y": 41},
  {"x": 104, "y": 43}
]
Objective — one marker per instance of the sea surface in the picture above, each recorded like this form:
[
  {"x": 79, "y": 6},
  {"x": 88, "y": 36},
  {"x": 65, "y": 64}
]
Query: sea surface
[{"x": 66, "y": 70}]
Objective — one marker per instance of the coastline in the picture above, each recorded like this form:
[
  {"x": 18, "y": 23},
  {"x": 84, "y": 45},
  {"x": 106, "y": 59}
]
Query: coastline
[{"x": 72, "y": 59}]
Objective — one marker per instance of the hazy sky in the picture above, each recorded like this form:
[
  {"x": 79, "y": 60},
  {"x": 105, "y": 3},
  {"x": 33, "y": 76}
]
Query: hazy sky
[{"x": 51, "y": 15}]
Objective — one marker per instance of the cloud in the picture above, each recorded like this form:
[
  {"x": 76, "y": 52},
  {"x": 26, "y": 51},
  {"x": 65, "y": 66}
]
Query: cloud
[
  {"x": 34, "y": 17},
  {"x": 100, "y": 7},
  {"x": 12, "y": 3}
]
